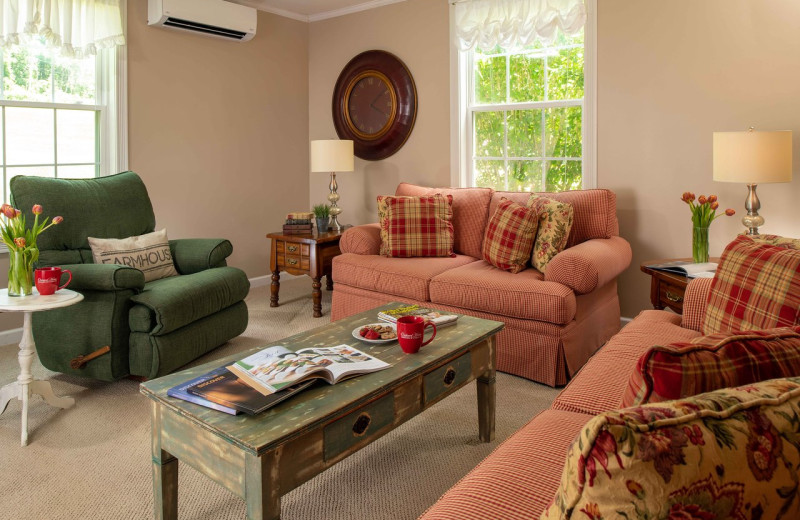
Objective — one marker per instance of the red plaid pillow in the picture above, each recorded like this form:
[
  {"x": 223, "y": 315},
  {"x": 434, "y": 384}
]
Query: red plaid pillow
[
  {"x": 756, "y": 286},
  {"x": 416, "y": 226},
  {"x": 710, "y": 363},
  {"x": 509, "y": 236}
]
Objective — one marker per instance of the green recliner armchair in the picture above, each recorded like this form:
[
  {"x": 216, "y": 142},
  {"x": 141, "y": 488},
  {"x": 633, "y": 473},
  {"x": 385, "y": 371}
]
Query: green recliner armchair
[{"x": 152, "y": 328}]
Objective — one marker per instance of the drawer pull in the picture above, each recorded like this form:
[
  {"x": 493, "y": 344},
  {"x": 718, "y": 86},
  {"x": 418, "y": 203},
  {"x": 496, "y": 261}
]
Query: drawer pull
[
  {"x": 449, "y": 376},
  {"x": 291, "y": 249},
  {"x": 291, "y": 261},
  {"x": 361, "y": 424},
  {"x": 674, "y": 297}
]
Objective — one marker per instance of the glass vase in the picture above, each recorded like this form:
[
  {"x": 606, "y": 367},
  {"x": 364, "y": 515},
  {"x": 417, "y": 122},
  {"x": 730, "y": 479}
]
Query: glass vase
[
  {"x": 20, "y": 273},
  {"x": 700, "y": 245}
]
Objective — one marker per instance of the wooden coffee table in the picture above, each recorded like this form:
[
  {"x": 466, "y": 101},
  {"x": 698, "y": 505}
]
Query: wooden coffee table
[{"x": 262, "y": 457}]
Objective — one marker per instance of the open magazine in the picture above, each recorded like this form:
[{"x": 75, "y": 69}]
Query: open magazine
[
  {"x": 439, "y": 318},
  {"x": 703, "y": 270},
  {"x": 274, "y": 368}
]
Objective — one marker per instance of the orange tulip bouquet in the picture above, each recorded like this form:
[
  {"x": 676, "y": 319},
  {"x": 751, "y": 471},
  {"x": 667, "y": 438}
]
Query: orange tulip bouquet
[
  {"x": 21, "y": 244},
  {"x": 704, "y": 212}
]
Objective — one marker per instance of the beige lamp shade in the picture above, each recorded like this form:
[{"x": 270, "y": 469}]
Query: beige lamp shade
[
  {"x": 753, "y": 157},
  {"x": 332, "y": 155}
]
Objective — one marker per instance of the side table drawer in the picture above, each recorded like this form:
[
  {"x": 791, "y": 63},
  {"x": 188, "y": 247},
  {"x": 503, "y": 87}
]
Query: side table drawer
[
  {"x": 358, "y": 426},
  {"x": 440, "y": 381},
  {"x": 294, "y": 262},
  {"x": 671, "y": 296}
]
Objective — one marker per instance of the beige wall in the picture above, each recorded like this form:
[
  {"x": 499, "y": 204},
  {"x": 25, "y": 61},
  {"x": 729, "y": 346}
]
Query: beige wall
[
  {"x": 670, "y": 74},
  {"x": 219, "y": 130},
  {"x": 417, "y": 32}
]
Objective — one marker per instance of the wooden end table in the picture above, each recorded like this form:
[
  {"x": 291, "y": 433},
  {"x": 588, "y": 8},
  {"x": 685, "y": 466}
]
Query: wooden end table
[
  {"x": 310, "y": 254},
  {"x": 667, "y": 289},
  {"x": 26, "y": 385}
]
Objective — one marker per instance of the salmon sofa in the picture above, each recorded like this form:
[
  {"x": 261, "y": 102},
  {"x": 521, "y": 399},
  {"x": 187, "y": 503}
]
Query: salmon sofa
[{"x": 554, "y": 321}]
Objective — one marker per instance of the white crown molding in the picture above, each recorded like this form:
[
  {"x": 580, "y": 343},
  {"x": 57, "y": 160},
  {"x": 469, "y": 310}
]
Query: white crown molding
[
  {"x": 372, "y": 4},
  {"x": 274, "y": 10}
]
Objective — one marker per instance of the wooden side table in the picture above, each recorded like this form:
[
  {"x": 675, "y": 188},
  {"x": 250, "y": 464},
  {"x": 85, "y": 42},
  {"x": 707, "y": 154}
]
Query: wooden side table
[
  {"x": 303, "y": 254},
  {"x": 667, "y": 289}
]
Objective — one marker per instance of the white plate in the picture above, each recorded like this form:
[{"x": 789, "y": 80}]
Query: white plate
[{"x": 375, "y": 341}]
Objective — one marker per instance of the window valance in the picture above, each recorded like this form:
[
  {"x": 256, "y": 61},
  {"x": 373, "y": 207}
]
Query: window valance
[
  {"x": 76, "y": 27},
  {"x": 515, "y": 23}
]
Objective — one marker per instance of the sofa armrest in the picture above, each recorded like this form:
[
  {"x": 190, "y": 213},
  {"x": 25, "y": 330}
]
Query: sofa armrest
[
  {"x": 362, "y": 240},
  {"x": 589, "y": 265},
  {"x": 192, "y": 255},
  {"x": 104, "y": 277},
  {"x": 694, "y": 303}
]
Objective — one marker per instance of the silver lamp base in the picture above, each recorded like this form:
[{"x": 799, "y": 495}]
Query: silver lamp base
[
  {"x": 752, "y": 221},
  {"x": 333, "y": 198}
]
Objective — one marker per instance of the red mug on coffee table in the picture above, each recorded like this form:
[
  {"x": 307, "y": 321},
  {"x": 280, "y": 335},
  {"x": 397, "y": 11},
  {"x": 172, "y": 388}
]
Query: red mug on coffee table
[
  {"x": 410, "y": 330},
  {"x": 48, "y": 278}
]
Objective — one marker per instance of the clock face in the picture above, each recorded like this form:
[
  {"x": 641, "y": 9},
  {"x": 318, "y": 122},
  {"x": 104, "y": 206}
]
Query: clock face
[{"x": 370, "y": 105}]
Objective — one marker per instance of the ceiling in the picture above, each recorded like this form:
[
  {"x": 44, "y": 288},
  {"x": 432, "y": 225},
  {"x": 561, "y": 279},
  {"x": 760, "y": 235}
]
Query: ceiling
[{"x": 313, "y": 10}]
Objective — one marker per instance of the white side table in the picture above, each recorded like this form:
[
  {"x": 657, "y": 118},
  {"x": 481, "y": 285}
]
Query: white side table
[{"x": 26, "y": 385}]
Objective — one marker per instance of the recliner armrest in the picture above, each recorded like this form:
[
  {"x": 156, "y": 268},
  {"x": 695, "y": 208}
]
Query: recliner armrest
[
  {"x": 104, "y": 277},
  {"x": 192, "y": 255},
  {"x": 362, "y": 240},
  {"x": 589, "y": 265}
]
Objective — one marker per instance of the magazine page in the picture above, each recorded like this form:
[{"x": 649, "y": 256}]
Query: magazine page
[
  {"x": 438, "y": 317},
  {"x": 342, "y": 361},
  {"x": 686, "y": 268},
  {"x": 276, "y": 368}
]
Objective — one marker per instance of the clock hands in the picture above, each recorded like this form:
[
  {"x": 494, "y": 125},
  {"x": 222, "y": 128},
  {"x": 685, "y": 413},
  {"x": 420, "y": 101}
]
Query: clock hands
[{"x": 372, "y": 104}]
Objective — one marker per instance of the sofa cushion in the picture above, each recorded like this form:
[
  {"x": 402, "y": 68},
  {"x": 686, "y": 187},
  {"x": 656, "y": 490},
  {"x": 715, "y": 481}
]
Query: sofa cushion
[
  {"x": 600, "y": 384},
  {"x": 756, "y": 286},
  {"x": 481, "y": 287},
  {"x": 403, "y": 277},
  {"x": 518, "y": 480},
  {"x": 470, "y": 214},
  {"x": 168, "y": 304},
  {"x": 416, "y": 226},
  {"x": 509, "y": 236},
  {"x": 595, "y": 211},
  {"x": 708, "y": 363},
  {"x": 555, "y": 221},
  {"x": 728, "y": 454}
]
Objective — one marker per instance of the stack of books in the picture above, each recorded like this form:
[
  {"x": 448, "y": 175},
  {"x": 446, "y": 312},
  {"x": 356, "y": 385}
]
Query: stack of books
[
  {"x": 298, "y": 223},
  {"x": 438, "y": 318}
]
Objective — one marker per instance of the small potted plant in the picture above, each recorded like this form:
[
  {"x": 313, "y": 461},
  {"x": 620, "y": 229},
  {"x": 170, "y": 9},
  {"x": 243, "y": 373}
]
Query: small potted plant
[{"x": 322, "y": 213}]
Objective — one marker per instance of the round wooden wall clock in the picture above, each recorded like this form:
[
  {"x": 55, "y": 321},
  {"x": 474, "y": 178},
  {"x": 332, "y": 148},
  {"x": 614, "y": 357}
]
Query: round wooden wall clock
[{"x": 375, "y": 104}]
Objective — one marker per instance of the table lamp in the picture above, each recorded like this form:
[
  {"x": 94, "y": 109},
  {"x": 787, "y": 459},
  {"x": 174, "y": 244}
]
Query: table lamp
[
  {"x": 753, "y": 158},
  {"x": 332, "y": 155}
]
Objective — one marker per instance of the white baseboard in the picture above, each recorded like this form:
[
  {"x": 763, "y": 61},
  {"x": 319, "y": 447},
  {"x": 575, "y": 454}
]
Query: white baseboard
[
  {"x": 261, "y": 281},
  {"x": 624, "y": 321}
]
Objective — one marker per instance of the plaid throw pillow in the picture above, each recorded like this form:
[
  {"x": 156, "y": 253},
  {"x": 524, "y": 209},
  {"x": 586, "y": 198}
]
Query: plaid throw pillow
[
  {"x": 555, "y": 222},
  {"x": 756, "y": 286},
  {"x": 509, "y": 236},
  {"x": 416, "y": 226},
  {"x": 710, "y": 363}
]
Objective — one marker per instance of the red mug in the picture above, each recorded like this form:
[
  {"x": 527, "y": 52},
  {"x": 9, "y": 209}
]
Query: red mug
[
  {"x": 410, "y": 330},
  {"x": 48, "y": 278}
]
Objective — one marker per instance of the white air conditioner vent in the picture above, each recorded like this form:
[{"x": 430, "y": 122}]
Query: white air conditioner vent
[{"x": 209, "y": 17}]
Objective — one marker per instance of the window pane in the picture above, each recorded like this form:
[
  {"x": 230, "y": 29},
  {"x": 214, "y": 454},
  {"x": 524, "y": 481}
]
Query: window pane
[
  {"x": 526, "y": 78},
  {"x": 76, "y": 136},
  {"x": 524, "y": 175},
  {"x": 27, "y": 72},
  {"x": 489, "y": 174},
  {"x": 75, "y": 80},
  {"x": 565, "y": 74},
  {"x": 490, "y": 80},
  {"x": 29, "y": 136},
  {"x": 489, "y": 134},
  {"x": 563, "y": 175},
  {"x": 36, "y": 171},
  {"x": 563, "y": 132},
  {"x": 83, "y": 171},
  {"x": 525, "y": 133}
]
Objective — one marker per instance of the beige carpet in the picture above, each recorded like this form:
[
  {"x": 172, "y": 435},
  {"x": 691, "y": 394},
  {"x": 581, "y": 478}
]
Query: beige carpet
[{"x": 92, "y": 461}]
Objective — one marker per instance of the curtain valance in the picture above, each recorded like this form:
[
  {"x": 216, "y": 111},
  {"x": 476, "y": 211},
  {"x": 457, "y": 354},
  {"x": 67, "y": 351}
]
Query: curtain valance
[
  {"x": 76, "y": 27},
  {"x": 515, "y": 23}
]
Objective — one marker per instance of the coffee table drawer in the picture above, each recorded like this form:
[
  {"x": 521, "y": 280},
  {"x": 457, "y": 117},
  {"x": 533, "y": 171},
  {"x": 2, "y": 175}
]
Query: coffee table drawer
[
  {"x": 440, "y": 381},
  {"x": 358, "y": 426}
]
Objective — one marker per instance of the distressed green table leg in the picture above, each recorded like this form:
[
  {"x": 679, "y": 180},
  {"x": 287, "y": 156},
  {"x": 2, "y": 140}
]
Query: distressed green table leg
[
  {"x": 487, "y": 397},
  {"x": 165, "y": 473},
  {"x": 262, "y": 486}
]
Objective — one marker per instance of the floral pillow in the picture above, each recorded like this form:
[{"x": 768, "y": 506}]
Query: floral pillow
[
  {"x": 555, "y": 222},
  {"x": 729, "y": 454}
]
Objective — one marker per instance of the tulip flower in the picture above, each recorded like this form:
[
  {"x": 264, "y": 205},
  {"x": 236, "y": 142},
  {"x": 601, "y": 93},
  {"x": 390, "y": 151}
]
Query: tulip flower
[
  {"x": 9, "y": 211},
  {"x": 20, "y": 242},
  {"x": 730, "y": 212},
  {"x": 714, "y": 204},
  {"x": 687, "y": 197},
  {"x": 712, "y": 199},
  {"x": 58, "y": 220},
  {"x": 702, "y": 199},
  {"x": 37, "y": 209}
]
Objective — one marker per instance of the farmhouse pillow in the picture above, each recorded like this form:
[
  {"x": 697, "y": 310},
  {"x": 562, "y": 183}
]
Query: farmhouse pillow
[
  {"x": 149, "y": 253},
  {"x": 509, "y": 236},
  {"x": 416, "y": 226},
  {"x": 555, "y": 221},
  {"x": 709, "y": 363}
]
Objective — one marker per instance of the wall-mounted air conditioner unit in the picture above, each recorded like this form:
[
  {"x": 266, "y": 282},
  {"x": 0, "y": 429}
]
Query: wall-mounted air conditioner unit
[{"x": 210, "y": 17}]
